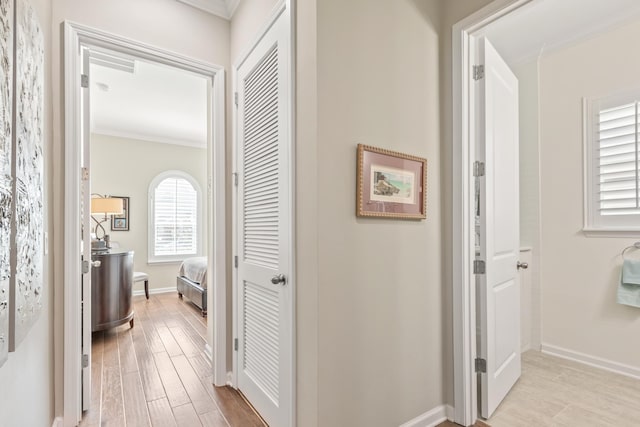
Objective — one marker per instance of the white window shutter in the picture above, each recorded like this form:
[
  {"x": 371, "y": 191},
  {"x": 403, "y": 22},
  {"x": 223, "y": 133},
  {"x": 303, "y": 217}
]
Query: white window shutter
[
  {"x": 617, "y": 145},
  {"x": 612, "y": 165},
  {"x": 175, "y": 218}
]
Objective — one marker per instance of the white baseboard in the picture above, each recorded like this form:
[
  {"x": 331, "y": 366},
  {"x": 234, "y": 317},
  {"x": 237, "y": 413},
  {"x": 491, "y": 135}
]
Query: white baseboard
[
  {"x": 432, "y": 418},
  {"x": 596, "y": 362},
  {"x": 230, "y": 379},
  {"x": 156, "y": 291},
  {"x": 57, "y": 422}
]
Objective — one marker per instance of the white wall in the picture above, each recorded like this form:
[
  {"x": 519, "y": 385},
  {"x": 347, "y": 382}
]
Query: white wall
[
  {"x": 579, "y": 274},
  {"x": 167, "y": 24},
  {"x": 527, "y": 75},
  {"x": 26, "y": 379},
  {"x": 126, "y": 167}
]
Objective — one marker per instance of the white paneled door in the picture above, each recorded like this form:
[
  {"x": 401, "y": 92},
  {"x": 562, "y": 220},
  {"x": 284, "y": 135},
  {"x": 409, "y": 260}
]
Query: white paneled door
[
  {"x": 498, "y": 287},
  {"x": 263, "y": 207}
]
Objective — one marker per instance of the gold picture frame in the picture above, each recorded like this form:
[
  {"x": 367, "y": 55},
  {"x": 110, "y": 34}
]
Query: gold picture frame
[{"x": 390, "y": 184}]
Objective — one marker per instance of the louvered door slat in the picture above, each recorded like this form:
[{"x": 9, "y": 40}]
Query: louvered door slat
[
  {"x": 261, "y": 328},
  {"x": 261, "y": 159}
]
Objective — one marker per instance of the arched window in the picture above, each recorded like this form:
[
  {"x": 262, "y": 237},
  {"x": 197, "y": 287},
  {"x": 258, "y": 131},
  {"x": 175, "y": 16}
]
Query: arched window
[{"x": 174, "y": 217}]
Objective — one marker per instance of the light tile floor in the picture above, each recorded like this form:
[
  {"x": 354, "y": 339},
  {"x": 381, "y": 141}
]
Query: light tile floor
[{"x": 557, "y": 392}]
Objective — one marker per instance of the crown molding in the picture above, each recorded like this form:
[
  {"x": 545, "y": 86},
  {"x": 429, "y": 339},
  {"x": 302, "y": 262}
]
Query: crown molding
[{"x": 221, "y": 8}]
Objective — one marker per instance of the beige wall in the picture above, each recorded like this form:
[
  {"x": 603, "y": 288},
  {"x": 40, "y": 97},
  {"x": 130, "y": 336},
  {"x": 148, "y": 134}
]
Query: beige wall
[
  {"x": 306, "y": 227},
  {"x": 579, "y": 274},
  {"x": 138, "y": 163},
  {"x": 248, "y": 20},
  {"x": 167, "y": 24},
  {"x": 380, "y": 303},
  {"x": 26, "y": 379}
]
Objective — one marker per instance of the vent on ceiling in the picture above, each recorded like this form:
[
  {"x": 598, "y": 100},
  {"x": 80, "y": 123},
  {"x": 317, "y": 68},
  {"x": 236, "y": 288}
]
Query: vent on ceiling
[{"x": 112, "y": 61}]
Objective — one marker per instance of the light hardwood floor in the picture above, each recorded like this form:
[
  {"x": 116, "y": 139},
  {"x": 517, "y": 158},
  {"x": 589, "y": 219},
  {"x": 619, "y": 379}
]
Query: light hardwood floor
[
  {"x": 558, "y": 392},
  {"x": 156, "y": 373}
]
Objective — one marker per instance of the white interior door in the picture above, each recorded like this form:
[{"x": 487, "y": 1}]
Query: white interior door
[
  {"x": 85, "y": 207},
  {"x": 499, "y": 287},
  {"x": 264, "y": 292}
]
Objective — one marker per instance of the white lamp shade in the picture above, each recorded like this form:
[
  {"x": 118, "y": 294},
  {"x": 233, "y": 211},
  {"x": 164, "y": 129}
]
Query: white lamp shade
[{"x": 107, "y": 205}]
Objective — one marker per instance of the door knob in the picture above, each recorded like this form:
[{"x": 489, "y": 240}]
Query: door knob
[
  {"x": 96, "y": 263},
  {"x": 523, "y": 265},
  {"x": 279, "y": 279}
]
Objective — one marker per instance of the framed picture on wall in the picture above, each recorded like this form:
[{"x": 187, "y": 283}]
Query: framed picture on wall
[
  {"x": 121, "y": 222},
  {"x": 390, "y": 184}
]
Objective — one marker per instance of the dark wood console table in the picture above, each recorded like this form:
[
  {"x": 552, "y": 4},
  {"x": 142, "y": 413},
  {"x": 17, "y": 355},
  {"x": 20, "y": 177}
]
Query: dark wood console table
[{"x": 111, "y": 289}]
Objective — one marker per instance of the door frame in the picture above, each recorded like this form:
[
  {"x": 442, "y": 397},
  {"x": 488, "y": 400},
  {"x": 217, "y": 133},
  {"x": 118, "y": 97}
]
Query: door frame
[
  {"x": 282, "y": 6},
  {"x": 77, "y": 36},
  {"x": 464, "y": 154}
]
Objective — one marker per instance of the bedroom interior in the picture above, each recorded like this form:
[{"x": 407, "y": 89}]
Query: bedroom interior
[{"x": 154, "y": 134}]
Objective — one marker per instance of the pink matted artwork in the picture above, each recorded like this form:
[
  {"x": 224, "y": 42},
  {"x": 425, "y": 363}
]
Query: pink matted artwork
[{"x": 390, "y": 184}]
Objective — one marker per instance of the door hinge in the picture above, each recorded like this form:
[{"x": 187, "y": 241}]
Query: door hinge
[
  {"x": 478, "y": 72},
  {"x": 85, "y": 360},
  {"x": 85, "y": 174},
  {"x": 235, "y": 344},
  {"x": 235, "y": 261},
  {"x": 478, "y": 168},
  {"x": 478, "y": 267},
  {"x": 85, "y": 266},
  {"x": 84, "y": 80},
  {"x": 235, "y": 98},
  {"x": 235, "y": 178},
  {"x": 481, "y": 365}
]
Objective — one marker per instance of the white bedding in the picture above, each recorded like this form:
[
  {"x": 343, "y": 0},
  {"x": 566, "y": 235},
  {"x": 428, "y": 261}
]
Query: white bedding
[{"x": 195, "y": 269}]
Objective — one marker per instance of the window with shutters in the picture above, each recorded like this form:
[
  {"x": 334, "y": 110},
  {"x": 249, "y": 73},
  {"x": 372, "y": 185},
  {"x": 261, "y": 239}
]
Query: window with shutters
[
  {"x": 174, "y": 217},
  {"x": 612, "y": 148}
]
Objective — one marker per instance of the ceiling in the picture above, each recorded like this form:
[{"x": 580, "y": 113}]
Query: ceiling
[
  {"x": 148, "y": 101},
  {"x": 547, "y": 25},
  {"x": 222, "y": 8}
]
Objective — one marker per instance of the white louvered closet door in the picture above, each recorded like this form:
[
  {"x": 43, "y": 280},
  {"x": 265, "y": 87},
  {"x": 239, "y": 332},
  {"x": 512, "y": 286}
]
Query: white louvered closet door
[{"x": 264, "y": 361}]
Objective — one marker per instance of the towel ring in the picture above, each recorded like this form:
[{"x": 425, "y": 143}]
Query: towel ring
[{"x": 636, "y": 245}]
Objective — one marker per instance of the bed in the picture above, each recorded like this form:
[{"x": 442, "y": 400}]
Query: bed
[{"x": 192, "y": 282}]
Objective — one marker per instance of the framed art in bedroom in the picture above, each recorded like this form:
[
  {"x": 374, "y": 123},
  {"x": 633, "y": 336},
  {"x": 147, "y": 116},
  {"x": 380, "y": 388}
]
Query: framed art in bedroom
[
  {"x": 390, "y": 184},
  {"x": 121, "y": 222}
]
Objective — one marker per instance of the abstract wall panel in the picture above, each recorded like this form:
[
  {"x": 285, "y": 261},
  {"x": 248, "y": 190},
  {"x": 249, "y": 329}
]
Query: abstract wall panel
[
  {"x": 27, "y": 285},
  {"x": 6, "y": 109}
]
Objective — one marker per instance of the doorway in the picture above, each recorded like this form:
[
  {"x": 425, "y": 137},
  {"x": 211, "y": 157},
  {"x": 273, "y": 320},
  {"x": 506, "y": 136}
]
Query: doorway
[
  {"x": 481, "y": 24},
  {"x": 80, "y": 40}
]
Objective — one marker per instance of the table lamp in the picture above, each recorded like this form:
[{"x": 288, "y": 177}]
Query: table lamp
[{"x": 105, "y": 205}]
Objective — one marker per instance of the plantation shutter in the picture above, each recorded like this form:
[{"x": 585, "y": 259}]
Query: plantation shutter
[
  {"x": 175, "y": 218},
  {"x": 618, "y": 191}
]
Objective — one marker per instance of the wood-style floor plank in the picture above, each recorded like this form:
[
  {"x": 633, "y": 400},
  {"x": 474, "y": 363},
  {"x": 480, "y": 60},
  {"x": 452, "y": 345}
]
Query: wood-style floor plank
[
  {"x": 161, "y": 414},
  {"x": 128, "y": 361},
  {"x": 186, "y": 416},
  {"x": 170, "y": 344},
  {"x": 176, "y": 392},
  {"x": 157, "y": 373},
  {"x": 151, "y": 383},
  {"x": 135, "y": 404},
  {"x": 112, "y": 412},
  {"x": 197, "y": 393}
]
